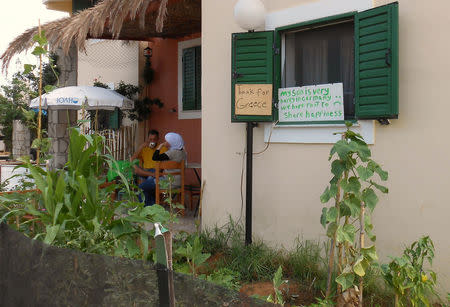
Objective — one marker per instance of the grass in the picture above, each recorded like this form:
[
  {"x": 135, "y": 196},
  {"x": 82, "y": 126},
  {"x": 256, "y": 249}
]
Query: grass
[{"x": 305, "y": 264}]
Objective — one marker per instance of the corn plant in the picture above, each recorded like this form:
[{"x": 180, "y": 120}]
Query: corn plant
[
  {"x": 352, "y": 188},
  {"x": 72, "y": 209}
]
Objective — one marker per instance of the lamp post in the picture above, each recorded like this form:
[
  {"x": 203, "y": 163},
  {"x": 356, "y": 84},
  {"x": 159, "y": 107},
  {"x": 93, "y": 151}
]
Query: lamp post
[
  {"x": 148, "y": 52},
  {"x": 249, "y": 15}
]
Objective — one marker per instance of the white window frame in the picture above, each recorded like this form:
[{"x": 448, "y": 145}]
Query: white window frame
[
  {"x": 315, "y": 133},
  {"x": 181, "y": 46}
]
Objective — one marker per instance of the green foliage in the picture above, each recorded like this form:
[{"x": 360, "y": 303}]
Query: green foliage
[
  {"x": 407, "y": 276},
  {"x": 193, "y": 254},
  {"x": 223, "y": 277},
  {"x": 72, "y": 210},
  {"x": 322, "y": 303},
  {"x": 352, "y": 190},
  {"x": 306, "y": 264},
  {"x": 143, "y": 108},
  {"x": 277, "y": 282},
  {"x": 14, "y": 105}
]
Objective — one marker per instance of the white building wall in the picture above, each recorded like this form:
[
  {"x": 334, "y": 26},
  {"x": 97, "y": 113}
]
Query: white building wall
[
  {"x": 289, "y": 178},
  {"x": 109, "y": 61}
]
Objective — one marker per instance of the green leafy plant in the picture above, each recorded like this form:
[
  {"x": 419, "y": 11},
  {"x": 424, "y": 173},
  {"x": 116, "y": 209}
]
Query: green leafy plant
[
  {"x": 143, "y": 108},
  {"x": 223, "y": 277},
  {"x": 72, "y": 209},
  {"x": 42, "y": 145},
  {"x": 277, "y": 282},
  {"x": 322, "y": 303},
  {"x": 352, "y": 190},
  {"x": 167, "y": 183},
  {"x": 193, "y": 254},
  {"x": 407, "y": 276}
]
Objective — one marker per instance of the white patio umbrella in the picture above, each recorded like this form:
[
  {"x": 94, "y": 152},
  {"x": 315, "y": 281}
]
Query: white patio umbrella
[{"x": 74, "y": 97}]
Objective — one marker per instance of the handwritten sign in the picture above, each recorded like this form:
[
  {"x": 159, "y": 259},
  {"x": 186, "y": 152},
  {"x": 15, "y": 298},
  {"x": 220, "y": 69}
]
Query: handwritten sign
[
  {"x": 253, "y": 99},
  {"x": 324, "y": 102}
]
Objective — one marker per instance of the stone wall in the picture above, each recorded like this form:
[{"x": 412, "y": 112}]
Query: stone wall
[
  {"x": 21, "y": 140},
  {"x": 36, "y": 274},
  {"x": 59, "y": 122}
]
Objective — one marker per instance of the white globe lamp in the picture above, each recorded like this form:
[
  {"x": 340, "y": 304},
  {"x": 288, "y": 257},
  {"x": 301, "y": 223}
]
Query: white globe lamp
[{"x": 250, "y": 14}]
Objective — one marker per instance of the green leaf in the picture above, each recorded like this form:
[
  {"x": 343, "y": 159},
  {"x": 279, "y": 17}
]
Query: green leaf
[
  {"x": 144, "y": 241},
  {"x": 38, "y": 51},
  {"x": 40, "y": 39},
  {"x": 337, "y": 168},
  {"x": 332, "y": 227},
  {"x": 360, "y": 266},
  {"x": 354, "y": 204},
  {"x": 333, "y": 189},
  {"x": 277, "y": 277},
  {"x": 383, "y": 189},
  {"x": 345, "y": 280},
  {"x": 342, "y": 148},
  {"x": 323, "y": 217},
  {"x": 346, "y": 233},
  {"x": 370, "y": 198},
  {"x": 48, "y": 88},
  {"x": 352, "y": 185},
  {"x": 370, "y": 253},
  {"x": 280, "y": 299},
  {"x": 376, "y": 168},
  {"x": 52, "y": 231},
  {"x": 132, "y": 247},
  {"x": 369, "y": 227},
  {"x": 201, "y": 258},
  {"x": 28, "y": 68},
  {"x": 121, "y": 228},
  {"x": 57, "y": 211},
  {"x": 361, "y": 148},
  {"x": 332, "y": 214},
  {"x": 325, "y": 197},
  {"x": 364, "y": 172}
]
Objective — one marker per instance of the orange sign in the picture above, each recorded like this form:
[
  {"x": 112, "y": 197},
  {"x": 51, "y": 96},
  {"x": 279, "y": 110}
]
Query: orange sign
[{"x": 253, "y": 99}]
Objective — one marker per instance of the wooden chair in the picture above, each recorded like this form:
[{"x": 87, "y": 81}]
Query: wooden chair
[
  {"x": 192, "y": 191},
  {"x": 161, "y": 170}
]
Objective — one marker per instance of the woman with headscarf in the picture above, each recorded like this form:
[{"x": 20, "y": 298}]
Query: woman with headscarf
[{"x": 175, "y": 144}]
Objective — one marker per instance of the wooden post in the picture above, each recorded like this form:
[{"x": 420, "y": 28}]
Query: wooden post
[
  {"x": 38, "y": 151},
  {"x": 361, "y": 243}
]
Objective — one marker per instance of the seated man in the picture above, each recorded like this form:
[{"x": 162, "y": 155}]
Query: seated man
[
  {"x": 145, "y": 155},
  {"x": 176, "y": 152}
]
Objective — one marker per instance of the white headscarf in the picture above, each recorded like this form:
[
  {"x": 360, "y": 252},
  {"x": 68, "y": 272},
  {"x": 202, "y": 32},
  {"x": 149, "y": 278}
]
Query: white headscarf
[{"x": 175, "y": 140}]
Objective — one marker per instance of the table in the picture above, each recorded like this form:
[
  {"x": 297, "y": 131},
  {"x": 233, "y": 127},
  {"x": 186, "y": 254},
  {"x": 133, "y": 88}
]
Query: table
[{"x": 195, "y": 166}]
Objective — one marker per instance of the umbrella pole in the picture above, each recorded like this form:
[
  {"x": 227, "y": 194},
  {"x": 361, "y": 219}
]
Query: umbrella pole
[{"x": 96, "y": 120}]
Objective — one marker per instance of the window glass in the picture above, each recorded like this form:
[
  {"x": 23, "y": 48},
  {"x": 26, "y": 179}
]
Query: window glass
[{"x": 319, "y": 56}]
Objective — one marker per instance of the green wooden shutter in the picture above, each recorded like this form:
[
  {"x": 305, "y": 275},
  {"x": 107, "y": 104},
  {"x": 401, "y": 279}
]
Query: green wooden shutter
[
  {"x": 189, "y": 92},
  {"x": 376, "y": 63},
  {"x": 251, "y": 63},
  {"x": 113, "y": 122},
  {"x": 198, "y": 78}
]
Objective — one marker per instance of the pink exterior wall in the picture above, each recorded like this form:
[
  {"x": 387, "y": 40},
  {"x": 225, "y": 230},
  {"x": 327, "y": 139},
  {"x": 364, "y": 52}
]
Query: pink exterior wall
[{"x": 165, "y": 87}]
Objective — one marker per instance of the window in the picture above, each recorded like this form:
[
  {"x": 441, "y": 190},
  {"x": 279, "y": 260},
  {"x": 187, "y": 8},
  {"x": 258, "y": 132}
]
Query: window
[
  {"x": 189, "y": 79},
  {"x": 359, "y": 49},
  {"x": 320, "y": 56}
]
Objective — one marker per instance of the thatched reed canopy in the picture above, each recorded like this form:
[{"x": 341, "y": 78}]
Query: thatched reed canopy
[{"x": 115, "y": 19}]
